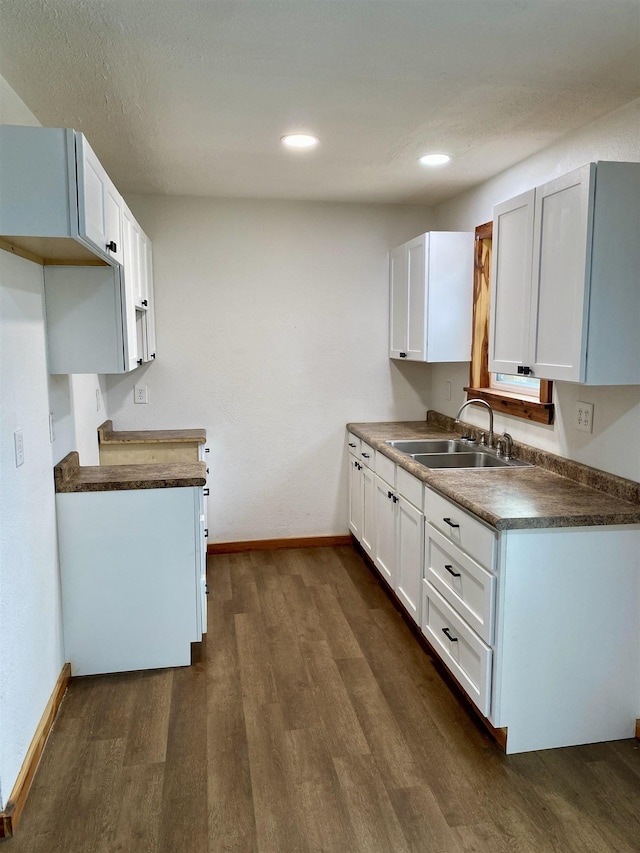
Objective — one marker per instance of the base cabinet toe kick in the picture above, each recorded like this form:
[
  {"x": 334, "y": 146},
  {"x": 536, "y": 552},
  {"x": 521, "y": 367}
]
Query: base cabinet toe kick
[{"x": 539, "y": 627}]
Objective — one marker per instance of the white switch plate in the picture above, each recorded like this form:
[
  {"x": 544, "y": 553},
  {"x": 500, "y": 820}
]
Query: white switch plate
[
  {"x": 18, "y": 444},
  {"x": 584, "y": 416},
  {"x": 140, "y": 394}
]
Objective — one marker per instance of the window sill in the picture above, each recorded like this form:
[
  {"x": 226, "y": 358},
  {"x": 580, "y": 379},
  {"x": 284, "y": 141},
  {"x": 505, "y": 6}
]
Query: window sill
[{"x": 514, "y": 404}]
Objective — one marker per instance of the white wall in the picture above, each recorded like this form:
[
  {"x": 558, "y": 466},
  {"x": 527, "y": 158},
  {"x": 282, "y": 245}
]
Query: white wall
[
  {"x": 616, "y": 420},
  {"x": 272, "y": 334},
  {"x": 31, "y": 651},
  {"x": 31, "y": 645}
]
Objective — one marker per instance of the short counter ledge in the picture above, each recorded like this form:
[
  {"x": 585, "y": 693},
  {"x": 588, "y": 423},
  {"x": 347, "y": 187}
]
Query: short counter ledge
[
  {"x": 70, "y": 476},
  {"x": 107, "y": 435}
]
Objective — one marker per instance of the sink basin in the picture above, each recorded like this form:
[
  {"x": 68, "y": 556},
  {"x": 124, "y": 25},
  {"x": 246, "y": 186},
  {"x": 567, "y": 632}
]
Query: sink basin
[
  {"x": 429, "y": 445},
  {"x": 468, "y": 459}
]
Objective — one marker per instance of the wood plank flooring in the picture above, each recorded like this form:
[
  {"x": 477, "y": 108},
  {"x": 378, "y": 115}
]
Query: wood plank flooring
[{"x": 311, "y": 720}]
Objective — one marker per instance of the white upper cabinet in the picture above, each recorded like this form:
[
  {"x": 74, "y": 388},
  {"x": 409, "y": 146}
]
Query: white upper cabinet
[
  {"x": 431, "y": 297},
  {"x": 87, "y": 320},
  {"x": 511, "y": 282},
  {"x": 99, "y": 203},
  {"x": 53, "y": 186},
  {"x": 565, "y": 295}
]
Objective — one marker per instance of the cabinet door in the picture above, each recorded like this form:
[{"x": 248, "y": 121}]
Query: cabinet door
[
  {"x": 511, "y": 284},
  {"x": 131, "y": 272},
  {"x": 355, "y": 498},
  {"x": 99, "y": 203},
  {"x": 417, "y": 298},
  {"x": 561, "y": 271},
  {"x": 367, "y": 539},
  {"x": 398, "y": 302},
  {"x": 146, "y": 266},
  {"x": 385, "y": 519},
  {"x": 409, "y": 557}
]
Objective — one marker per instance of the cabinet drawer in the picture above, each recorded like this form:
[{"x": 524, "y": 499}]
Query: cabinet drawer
[
  {"x": 460, "y": 649},
  {"x": 410, "y": 488},
  {"x": 353, "y": 444},
  {"x": 367, "y": 455},
  {"x": 458, "y": 526},
  {"x": 465, "y": 585},
  {"x": 386, "y": 469}
]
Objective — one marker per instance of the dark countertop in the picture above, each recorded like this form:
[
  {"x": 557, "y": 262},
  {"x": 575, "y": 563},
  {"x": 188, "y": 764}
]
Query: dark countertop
[
  {"x": 70, "y": 476},
  {"x": 107, "y": 435},
  {"x": 555, "y": 493}
]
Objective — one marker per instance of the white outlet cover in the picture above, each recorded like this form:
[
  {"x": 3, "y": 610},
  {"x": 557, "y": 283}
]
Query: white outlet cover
[{"x": 584, "y": 416}]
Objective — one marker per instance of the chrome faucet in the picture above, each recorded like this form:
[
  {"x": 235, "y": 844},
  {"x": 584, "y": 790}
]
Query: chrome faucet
[{"x": 483, "y": 403}]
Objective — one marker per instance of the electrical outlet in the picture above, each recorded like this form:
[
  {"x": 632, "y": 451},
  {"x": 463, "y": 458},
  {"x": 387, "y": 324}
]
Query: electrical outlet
[
  {"x": 18, "y": 446},
  {"x": 140, "y": 394},
  {"x": 584, "y": 416}
]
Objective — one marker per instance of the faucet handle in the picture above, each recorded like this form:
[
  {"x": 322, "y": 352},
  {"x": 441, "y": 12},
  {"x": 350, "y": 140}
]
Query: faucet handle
[
  {"x": 499, "y": 443},
  {"x": 508, "y": 444}
]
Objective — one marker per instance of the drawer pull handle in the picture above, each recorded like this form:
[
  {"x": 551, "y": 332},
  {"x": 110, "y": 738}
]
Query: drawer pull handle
[
  {"x": 445, "y": 631},
  {"x": 351, "y": 444},
  {"x": 450, "y": 523},
  {"x": 451, "y": 572},
  {"x": 366, "y": 455}
]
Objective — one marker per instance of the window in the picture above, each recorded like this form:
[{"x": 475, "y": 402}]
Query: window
[{"x": 519, "y": 396}]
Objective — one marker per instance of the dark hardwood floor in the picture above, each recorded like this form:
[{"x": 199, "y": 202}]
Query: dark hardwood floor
[{"x": 311, "y": 720}]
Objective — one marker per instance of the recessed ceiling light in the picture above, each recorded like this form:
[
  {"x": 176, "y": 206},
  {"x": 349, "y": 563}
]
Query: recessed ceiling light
[
  {"x": 300, "y": 140},
  {"x": 435, "y": 159}
]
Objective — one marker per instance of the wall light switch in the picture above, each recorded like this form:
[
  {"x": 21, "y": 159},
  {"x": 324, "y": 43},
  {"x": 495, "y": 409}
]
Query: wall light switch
[
  {"x": 140, "y": 394},
  {"x": 18, "y": 445},
  {"x": 584, "y": 416}
]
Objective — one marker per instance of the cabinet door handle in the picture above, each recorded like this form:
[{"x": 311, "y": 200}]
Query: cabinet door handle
[
  {"x": 153, "y": 355},
  {"x": 111, "y": 246},
  {"x": 205, "y": 492},
  {"x": 395, "y": 499},
  {"x": 206, "y": 589},
  {"x": 206, "y": 450},
  {"x": 351, "y": 444},
  {"x": 206, "y": 532},
  {"x": 366, "y": 455},
  {"x": 403, "y": 355},
  {"x": 450, "y": 523},
  {"x": 447, "y": 634},
  {"x": 524, "y": 371},
  {"x": 145, "y": 303},
  {"x": 139, "y": 361},
  {"x": 389, "y": 495},
  {"x": 451, "y": 572}
]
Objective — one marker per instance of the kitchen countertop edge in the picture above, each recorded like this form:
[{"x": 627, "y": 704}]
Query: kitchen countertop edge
[{"x": 70, "y": 476}]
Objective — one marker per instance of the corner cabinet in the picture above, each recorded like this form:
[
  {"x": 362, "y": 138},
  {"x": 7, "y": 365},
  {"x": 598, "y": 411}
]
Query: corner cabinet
[
  {"x": 431, "y": 297},
  {"x": 60, "y": 206},
  {"x": 565, "y": 296}
]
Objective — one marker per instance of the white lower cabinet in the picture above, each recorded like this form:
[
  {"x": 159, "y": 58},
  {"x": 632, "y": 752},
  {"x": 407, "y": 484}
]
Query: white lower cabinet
[
  {"x": 131, "y": 562},
  {"x": 361, "y": 493},
  {"x": 540, "y": 627},
  {"x": 399, "y": 540}
]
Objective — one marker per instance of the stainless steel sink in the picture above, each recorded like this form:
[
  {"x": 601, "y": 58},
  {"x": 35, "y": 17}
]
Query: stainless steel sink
[
  {"x": 453, "y": 453},
  {"x": 430, "y": 445},
  {"x": 473, "y": 459}
]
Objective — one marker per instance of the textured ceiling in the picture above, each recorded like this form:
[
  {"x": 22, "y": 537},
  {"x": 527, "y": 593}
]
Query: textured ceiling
[{"x": 191, "y": 97}]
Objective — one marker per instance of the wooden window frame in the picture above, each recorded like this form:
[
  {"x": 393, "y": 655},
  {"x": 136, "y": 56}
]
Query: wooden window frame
[{"x": 506, "y": 402}]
